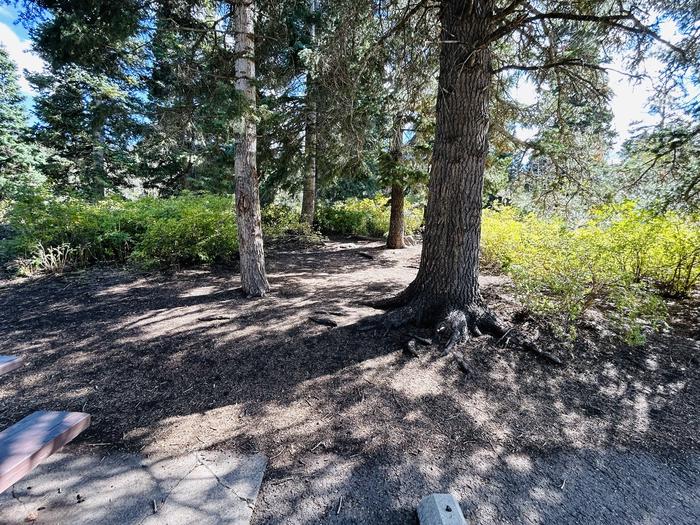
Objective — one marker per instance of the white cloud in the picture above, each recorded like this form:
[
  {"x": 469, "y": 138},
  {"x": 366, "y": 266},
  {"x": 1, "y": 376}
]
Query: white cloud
[{"x": 20, "y": 52}]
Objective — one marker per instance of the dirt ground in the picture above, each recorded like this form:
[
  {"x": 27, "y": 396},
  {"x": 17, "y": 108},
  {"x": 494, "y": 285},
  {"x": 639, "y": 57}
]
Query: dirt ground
[{"x": 357, "y": 431}]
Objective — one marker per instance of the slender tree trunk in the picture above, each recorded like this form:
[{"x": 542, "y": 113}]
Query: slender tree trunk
[
  {"x": 448, "y": 274},
  {"x": 395, "y": 239},
  {"x": 308, "y": 202},
  {"x": 99, "y": 174},
  {"x": 250, "y": 241}
]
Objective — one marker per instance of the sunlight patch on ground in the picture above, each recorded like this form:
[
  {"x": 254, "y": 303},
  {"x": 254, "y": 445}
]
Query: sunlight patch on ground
[
  {"x": 519, "y": 463},
  {"x": 118, "y": 289},
  {"x": 416, "y": 381},
  {"x": 200, "y": 291}
]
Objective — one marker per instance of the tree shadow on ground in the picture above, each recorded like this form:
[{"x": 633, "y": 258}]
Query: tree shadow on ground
[{"x": 180, "y": 363}]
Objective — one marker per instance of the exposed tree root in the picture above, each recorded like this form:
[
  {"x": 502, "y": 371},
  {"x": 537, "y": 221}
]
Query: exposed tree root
[
  {"x": 474, "y": 321},
  {"x": 403, "y": 298},
  {"x": 461, "y": 363},
  {"x": 457, "y": 326},
  {"x": 410, "y": 348}
]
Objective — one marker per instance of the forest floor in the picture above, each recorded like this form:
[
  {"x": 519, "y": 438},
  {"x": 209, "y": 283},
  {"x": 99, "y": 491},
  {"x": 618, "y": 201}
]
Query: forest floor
[{"x": 356, "y": 430}]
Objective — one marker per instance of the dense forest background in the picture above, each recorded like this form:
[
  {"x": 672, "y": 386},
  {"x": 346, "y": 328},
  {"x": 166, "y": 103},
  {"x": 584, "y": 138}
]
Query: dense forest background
[{"x": 129, "y": 150}]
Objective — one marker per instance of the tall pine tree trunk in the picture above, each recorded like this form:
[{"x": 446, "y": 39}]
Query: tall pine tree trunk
[
  {"x": 308, "y": 201},
  {"x": 250, "y": 241},
  {"x": 99, "y": 173},
  {"x": 395, "y": 239},
  {"x": 447, "y": 279}
]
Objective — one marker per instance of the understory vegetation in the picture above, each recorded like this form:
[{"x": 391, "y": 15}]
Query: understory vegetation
[
  {"x": 623, "y": 259},
  {"x": 49, "y": 233},
  {"x": 367, "y": 217}
]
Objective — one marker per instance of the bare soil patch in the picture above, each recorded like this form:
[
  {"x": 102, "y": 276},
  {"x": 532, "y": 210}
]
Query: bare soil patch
[{"x": 182, "y": 362}]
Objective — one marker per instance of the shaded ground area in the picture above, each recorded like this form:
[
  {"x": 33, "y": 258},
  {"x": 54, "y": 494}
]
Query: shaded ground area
[
  {"x": 206, "y": 488},
  {"x": 356, "y": 430}
]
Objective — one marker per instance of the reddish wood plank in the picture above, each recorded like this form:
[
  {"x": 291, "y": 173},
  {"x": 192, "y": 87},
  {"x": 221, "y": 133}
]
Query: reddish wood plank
[
  {"x": 9, "y": 363},
  {"x": 26, "y": 443}
]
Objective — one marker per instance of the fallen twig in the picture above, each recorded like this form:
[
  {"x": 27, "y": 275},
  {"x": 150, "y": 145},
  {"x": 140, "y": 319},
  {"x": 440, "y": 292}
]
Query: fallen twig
[
  {"x": 280, "y": 481},
  {"x": 329, "y": 312},
  {"x": 278, "y": 454},
  {"x": 324, "y": 321},
  {"x": 215, "y": 318},
  {"x": 543, "y": 353}
]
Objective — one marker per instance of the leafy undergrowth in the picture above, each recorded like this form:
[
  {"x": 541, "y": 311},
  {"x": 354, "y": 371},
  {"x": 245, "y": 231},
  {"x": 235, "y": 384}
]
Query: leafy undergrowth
[
  {"x": 368, "y": 217},
  {"x": 622, "y": 261},
  {"x": 50, "y": 234}
]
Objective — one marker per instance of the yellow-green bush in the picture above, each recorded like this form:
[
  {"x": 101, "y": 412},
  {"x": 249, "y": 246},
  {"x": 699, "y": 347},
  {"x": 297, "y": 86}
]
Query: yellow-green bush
[
  {"x": 664, "y": 249},
  {"x": 369, "y": 217},
  {"x": 152, "y": 232},
  {"x": 279, "y": 220},
  {"x": 619, "y": 260},
  {"x": 185, "y": 231}
]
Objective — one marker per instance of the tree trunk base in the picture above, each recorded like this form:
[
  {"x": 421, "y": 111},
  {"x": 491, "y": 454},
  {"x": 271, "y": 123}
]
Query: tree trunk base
[{"x": 456, "y": 326}]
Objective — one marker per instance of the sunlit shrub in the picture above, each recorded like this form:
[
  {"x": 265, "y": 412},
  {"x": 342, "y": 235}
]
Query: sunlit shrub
[
  {"x": 367, "y": 217},
  {"x": 184, "y": 230},
  {"x": 151, "y": 232},
  {"x": 41, "y": 219},
  {"x": 620, "y": 260},
  {"x": 662, "y": 248},
  {"x": 279, "y": 220}
]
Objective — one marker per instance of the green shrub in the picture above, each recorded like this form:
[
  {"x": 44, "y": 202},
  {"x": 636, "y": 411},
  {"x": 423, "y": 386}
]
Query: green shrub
[
  {"x": 279, "y": 220},
  {"x": 43, "y": 220},
  {"x": 662, "y": 248},
  {"x": 620, "y": 260},
  {"x": 183, "y": 230},
  {"x": 50, "y": 233},
  {"x": 367, "y": 217}
]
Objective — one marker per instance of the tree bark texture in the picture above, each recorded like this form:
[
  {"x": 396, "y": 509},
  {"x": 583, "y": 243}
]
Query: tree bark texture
[
  {"x": 395, "y": 239},
  {"x": 98, "y": 170},
  {"x": 250, "y": 240},
  {"x": 448, "y": 274},
  {"x": 308, "y": 201}
]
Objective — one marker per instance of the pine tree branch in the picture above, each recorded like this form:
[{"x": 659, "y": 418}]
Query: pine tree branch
[
  {"x": 614, "y": 20},
  {"x": 559, "y": 63}
]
